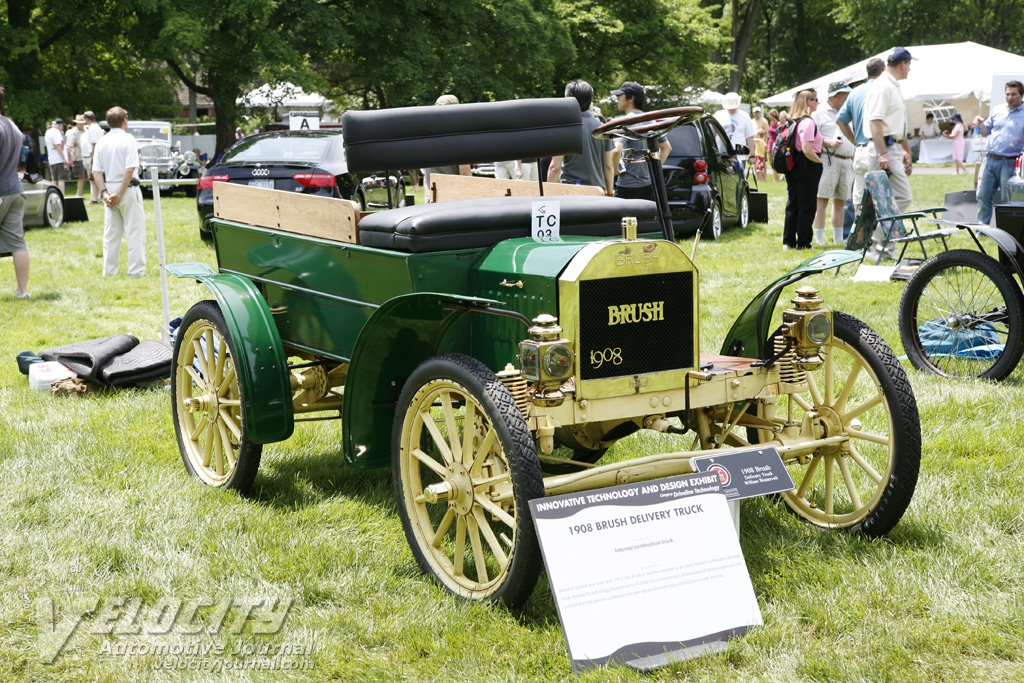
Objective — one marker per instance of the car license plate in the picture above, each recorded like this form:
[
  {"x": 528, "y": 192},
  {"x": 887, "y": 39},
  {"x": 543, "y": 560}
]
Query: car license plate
[{"x": 264, "y": 184}]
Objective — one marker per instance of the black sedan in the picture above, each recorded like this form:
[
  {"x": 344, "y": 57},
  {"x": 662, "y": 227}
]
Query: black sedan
[
  {"x": 310, "y": 162},
  {"x": 705, "y": 183}
]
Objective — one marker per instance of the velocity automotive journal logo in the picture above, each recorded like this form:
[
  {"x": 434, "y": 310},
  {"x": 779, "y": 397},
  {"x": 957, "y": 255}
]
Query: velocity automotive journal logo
[{"x": 221, "y": 634}]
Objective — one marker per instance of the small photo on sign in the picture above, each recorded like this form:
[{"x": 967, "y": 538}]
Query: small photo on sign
[{"x": 546, "y": 222}]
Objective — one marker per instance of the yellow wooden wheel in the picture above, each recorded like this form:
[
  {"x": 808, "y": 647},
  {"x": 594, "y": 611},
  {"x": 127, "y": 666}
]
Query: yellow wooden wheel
[
  {"x": 208, "y": 416},
  {"x": 465, "y": 468}
]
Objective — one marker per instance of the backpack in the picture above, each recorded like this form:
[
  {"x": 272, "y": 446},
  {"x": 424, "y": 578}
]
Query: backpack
[{"x": 786, "y": 156}]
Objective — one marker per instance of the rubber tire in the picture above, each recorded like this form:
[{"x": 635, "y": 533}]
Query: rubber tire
[
  {"x": 247, "y": 453},
  {"x": 713, "y": 230},
  {"x": 520, "y": 456},
  {"x": 53, "y": 219},
  {"x": 400, "y": 198},
  {"x": 743, "y": 219},
  {"x": 904, "y": 458},
  {"x": 360, "y": 199},
  {"x": 999, "y": 277},
  {"x": 191, "y": 190}
]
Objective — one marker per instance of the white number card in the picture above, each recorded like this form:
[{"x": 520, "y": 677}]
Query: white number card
[{"x": 546, "y": 222}]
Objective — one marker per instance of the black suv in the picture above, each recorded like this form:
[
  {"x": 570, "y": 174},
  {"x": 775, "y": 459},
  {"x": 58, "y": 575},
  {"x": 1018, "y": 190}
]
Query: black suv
[{"x": 705, "y": 183}]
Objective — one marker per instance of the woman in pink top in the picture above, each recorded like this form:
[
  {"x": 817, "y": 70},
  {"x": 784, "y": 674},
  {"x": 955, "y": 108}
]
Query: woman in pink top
[
  {"x": 802, "y": 181},
  {"x": 957, "y": 136}
]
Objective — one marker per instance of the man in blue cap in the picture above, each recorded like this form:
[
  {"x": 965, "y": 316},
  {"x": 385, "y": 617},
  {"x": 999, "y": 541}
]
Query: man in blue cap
[
  {"x": 885, "y": 123},
  {"x": 1005, "y": 130}
]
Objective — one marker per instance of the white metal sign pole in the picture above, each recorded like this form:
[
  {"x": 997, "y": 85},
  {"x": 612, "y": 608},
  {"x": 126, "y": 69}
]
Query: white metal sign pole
[{"x": 165, "y": 333}]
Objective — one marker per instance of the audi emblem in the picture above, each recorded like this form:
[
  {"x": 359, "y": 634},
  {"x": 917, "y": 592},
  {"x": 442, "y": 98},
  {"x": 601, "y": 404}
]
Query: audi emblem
[{"x": 261, "y": 171}]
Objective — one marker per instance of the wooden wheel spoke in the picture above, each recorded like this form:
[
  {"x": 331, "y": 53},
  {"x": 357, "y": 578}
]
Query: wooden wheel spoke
[
  {"x": 830, "y": 376},
  {"x": 435, "y": 434},
  {"x": 218, "y": 451},
  {"x": 198, "y": 358},
  {"x": 496, "y": 512},
  {"x": 225, "y": 439},
  {"x": 210, "y": 364},
  {"x": 799, "y": 400},
  {"x": 222, "y": 356},
  {"x": 812, "y": 387},
  {"x": 864, "y": 464},
  {"x": 230, "y": 402},
  {"x": 198, "y": 431},
  {"x": 867, "y": 436},
  {"x": 424, "y": 458},
  {"x": 497, "y": 479},
  {"x": 851, "y": 381},
  {"x": 863, "y": 407},
  {"x": 460, "y": 547},
  {"x": 478, "y": 550},
  {"x": 227, "y": 382},
  {"x": 442, "y": 528},
  {"x": 492, "y": 540},
  {"x": 808, "y": 476},
  {"x": 454, "y": 442},
  {"x": 208, "y": 447},
  {"x": 485, "y": 449},
  {"x": 228, "y": 420},
  {"x": 851, "y": 488},
  {"x": 830, "y": 467},
  {"x": 196, "y": 378},
  {"x": 468, "y": 430}
]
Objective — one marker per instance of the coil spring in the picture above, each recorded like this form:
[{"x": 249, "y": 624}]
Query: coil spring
[
  {"x": 788, "y": 373},
  {"x": 517, "y": 386}
]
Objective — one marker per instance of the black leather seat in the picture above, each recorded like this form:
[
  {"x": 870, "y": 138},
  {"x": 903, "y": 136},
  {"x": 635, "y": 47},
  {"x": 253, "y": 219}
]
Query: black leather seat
[{"x": 475, "y": 223}]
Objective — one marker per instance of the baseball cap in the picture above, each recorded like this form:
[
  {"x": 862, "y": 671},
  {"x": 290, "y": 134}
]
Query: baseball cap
[
  {"x": 447, "y": 99},
  {"x": 899, "y": 54},
  {"x": 629, "y": 88},
  {"x": 757, "y": 109},
  {"x": 56, "y": 121},
  {"x": 836, "y": 87},
  {"x": 731, "y": 100}
]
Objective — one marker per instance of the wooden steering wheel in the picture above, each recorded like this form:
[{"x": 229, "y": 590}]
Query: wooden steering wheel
[{"x": 658, "y": 123}]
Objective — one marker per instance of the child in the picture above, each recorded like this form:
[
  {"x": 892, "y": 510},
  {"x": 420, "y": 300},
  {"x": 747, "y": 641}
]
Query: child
[{"x": 759, "y": 151}]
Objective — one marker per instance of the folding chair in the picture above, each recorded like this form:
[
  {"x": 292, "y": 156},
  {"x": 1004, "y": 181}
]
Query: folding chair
[{"x": 878, "y": 209}]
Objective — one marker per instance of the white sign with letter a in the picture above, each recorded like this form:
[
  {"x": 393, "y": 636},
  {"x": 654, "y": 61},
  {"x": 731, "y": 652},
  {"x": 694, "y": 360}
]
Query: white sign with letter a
[{"x": 546, "y": 223}]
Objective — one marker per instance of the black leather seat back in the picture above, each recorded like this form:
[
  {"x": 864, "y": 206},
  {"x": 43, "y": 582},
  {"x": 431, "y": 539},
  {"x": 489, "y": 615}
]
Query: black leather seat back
[
  {"x": 424, "y": 137},
  {"x": 476, "y": 223}
]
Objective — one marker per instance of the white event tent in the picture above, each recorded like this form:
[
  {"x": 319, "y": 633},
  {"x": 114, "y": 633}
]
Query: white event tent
[
  {"x": 285, "y": 97},
  {"x": 956, "y": 76}
]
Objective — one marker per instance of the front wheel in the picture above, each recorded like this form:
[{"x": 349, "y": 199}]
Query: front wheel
[
  {"x": 744, "y": 215},
  {"x": 207, "y": 403},
  {"x": 961, "y": 315},
  {"x": 865, "y": 483},
  {"x": 53, "y": 208},
  {"x": 465, "y": 468}
]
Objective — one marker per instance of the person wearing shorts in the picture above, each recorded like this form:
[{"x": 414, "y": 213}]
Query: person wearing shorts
[
  {"x": 12, "y": 203},
  {"x": 837, "y": 164},
  {"x": 57, "y": 170}
]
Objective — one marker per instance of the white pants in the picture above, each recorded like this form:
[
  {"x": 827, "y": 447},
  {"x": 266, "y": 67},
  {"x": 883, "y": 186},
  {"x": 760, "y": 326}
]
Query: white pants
[
  {"x": 128, "y": 219},
  {"x": 505, "y": 170}
]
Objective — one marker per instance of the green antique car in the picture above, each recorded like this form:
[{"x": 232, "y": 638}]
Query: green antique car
[{"x": 488, "y": 367}]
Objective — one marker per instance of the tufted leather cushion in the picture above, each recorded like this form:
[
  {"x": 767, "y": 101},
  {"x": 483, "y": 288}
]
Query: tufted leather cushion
[{"x": 475, "y": 223}]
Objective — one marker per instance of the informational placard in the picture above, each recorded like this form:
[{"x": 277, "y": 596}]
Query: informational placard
[
  {"x": 747, "y": 473},
  {"x": 303, "y": 120},
  {"x": 546, "y": 223},
  {"x": 648, "y": 573}
]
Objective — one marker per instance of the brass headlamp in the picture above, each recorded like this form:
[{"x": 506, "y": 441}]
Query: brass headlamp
[
  {"x": 809, "y": 326},
  {"x": 546, "y": 359}
]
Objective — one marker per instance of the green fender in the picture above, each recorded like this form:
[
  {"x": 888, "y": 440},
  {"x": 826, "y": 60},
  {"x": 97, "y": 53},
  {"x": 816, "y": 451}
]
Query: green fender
[
  {"x": 400, "y": 335},
  {"x": 260, "y": 359},
  {"x": 742, "y": 338}
]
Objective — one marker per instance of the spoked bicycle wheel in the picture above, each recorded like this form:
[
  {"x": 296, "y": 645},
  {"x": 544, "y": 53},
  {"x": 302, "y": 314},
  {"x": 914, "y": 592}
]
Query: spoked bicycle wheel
[{"x": 961, "y": 315}]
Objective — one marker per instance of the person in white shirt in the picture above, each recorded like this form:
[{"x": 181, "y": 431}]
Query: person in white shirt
[
  {"x": 114, "y": 162},
  {"x": 737, "y": 124},
  {"x": 57, "y": 163},
  {"x": 837, "y": 156},
  {"x": 93, "y": 133},
  {"x": 930, "y": 129}
]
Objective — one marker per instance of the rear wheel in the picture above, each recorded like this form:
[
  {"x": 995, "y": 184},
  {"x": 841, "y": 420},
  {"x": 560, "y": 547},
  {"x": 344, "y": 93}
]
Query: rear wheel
[
  {"x": 53, "y": 208},
  {"x": 713, "y": 230},
  {"x": 961, "y": 315},
  {"x": 207, "y": 403},
  {"x": 465, "y": 468},
  {"x": 744, "y": 213}
]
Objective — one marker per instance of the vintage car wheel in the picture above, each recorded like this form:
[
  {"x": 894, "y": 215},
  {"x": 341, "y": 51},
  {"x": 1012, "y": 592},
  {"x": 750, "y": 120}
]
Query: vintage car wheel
[
  {"x": 53, "y": 208},
  {"x": 743, "y": 219},
  {"x": 191, "y": 190},
  {"x": 713, "y": 230},
  {"x": 961, "y": 315},
  {"x": 207, "y": 403},
  {"x": 459, "y": 443},
  {"x": 861, "y": 390}
]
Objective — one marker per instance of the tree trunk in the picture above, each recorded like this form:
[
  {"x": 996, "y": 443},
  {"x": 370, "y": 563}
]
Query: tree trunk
[{"x": 741, "y": 34}]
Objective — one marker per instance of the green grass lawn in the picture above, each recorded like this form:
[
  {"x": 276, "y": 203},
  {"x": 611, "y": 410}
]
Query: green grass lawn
[{"x": 97, "y": 506}]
